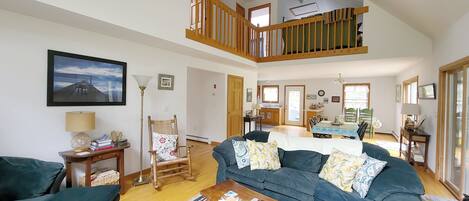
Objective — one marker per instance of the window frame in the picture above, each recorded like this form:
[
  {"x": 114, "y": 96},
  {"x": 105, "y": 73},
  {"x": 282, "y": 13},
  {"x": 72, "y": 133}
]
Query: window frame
[
  {"x": 356, "y": 84},
  {"x": 268, "y": 5},
  {"x": 404, "y": 97},
  {"x": 270, "y": 86}
]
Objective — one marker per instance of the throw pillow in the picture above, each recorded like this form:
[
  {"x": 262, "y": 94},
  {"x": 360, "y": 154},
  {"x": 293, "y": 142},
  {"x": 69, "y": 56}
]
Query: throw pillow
[
  {"x": 341, "y": 168},
  {"x": 366, "y": 174},
  {"x": 263, "y": 156},
  {"x": 165, "y": 146},
  {"x": 241, "y": 153}
]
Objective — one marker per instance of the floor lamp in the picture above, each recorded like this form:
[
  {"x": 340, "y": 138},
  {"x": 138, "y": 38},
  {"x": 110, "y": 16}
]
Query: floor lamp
[{"x": 142, "y": 81}]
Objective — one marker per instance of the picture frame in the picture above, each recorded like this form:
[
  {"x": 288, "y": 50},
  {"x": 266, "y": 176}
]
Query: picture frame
[
  {"x": 79, "y": 80},
  {"x": 249, "y": 95},
  {"x": 325, "y": 100},
  {"x": 398, "y": 93},
  {"x": 165, "y": 82},
  {"x": 311, "y": 97},
  {"x": 335, "y": 99},
  {"x": 427, "y": 91}
]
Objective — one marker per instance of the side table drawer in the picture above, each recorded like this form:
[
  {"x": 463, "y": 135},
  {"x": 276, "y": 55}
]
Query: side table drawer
[{"x": 104, "y": 156}]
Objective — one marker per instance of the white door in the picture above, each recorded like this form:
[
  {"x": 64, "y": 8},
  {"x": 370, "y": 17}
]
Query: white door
[{"x": 294, "y": 105}]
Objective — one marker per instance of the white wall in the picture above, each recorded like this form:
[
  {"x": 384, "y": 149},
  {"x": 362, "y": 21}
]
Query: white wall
[
  {"x": 381, "y": 97},
  {"x": 275, "y": 19},
  {"x": 31, "y": 129},
  {"x": 204, "y": 103},
  {"x": 323, "y": 5},
  {"x": 451, "y": 46}
]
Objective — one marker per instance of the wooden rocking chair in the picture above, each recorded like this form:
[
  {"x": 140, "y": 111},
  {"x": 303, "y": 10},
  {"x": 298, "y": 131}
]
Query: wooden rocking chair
[{"x": 164, "y": 169}]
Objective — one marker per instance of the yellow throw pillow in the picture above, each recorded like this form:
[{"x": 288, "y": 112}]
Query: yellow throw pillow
[
  {"x": 263, "y": 156},
  {"x": 341, "y": 168}
]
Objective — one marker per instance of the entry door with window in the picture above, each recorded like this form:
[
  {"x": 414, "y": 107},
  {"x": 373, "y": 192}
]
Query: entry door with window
[
  {"x": 294, "y": 105},
  {"x": 453, "y": 160}
]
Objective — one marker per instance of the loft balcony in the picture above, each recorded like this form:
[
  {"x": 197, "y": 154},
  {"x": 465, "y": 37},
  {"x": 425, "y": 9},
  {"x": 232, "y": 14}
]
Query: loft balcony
[{"x": 334, "y": 33}]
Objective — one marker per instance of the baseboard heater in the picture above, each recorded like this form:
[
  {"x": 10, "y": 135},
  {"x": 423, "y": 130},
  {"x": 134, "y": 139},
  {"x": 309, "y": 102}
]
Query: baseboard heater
[{"x": 198, "y": 138}]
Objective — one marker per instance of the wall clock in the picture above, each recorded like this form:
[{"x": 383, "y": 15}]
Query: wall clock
[{"x": 321, "y": 93}]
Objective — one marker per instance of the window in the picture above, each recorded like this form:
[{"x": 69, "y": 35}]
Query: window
[
  {"x": 356, "y": 96},
  {"x": 270, "y": 94},
  {"x": 410, "y": 88},
  {"x": 410, "y": 91}
]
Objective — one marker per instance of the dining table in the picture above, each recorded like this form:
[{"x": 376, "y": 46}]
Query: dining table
[{"x": 345, "y": 129}]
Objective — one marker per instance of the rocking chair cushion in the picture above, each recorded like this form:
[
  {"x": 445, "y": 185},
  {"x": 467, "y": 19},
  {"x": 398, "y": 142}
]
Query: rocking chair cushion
[{"x": 165, "y": 146}]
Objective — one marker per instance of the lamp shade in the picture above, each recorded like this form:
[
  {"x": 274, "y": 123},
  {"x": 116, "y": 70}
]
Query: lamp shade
[
  {"x": 142, "y": 80},
  {"x": 410, "y": 109},
  {"x": 79, "y": 121}
]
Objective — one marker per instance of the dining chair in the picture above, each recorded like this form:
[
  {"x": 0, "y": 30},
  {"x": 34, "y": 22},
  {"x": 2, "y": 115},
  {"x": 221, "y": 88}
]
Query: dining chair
[
  {"x": 361, "y": 130},
  {"x": 351, "y": 115},
  {"x": 366, "y": 115}
]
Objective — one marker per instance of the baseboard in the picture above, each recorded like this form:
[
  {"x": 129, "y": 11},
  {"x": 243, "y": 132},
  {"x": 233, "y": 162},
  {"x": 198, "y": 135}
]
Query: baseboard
[
  {"x": 197, "y": 138},
  {"x": 132, "y": 176}
]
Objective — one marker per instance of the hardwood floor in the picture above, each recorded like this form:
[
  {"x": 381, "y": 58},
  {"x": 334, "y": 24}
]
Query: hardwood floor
[{"x": 205, "y": 168}]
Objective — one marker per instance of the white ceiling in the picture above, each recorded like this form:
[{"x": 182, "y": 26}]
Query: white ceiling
[
  {"x": 430, "y": 17},
  {"x": 350, "y": 69}
]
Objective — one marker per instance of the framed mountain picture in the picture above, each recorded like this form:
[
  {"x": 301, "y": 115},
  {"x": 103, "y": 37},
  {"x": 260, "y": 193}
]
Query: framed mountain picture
[{"x": 78, "y": 80}]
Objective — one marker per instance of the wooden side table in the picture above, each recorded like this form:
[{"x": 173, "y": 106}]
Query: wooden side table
[
  {"x": 249, "y": 119},
  {"x": 413, "y": 137},
  {"x": 93, "y": 157}
]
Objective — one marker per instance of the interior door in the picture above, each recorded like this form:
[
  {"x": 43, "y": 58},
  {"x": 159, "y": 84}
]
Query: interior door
[
  {"x": 294, "y": 105},
  {"x": 235, "y": 105}
]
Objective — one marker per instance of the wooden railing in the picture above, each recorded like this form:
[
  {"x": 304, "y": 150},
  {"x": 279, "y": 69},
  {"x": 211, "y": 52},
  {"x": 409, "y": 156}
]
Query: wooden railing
[{"x": 215, "y": 24}]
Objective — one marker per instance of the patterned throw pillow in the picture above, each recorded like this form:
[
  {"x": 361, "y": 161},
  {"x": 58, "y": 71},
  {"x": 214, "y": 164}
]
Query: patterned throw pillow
[
  {"x": 341, "y": 168},
  {"x": 366, "y": 174},
  {"x": 241, "y": 153},
  {"x": 165, "y": 146},
  {"x": 263, "y": 156}
]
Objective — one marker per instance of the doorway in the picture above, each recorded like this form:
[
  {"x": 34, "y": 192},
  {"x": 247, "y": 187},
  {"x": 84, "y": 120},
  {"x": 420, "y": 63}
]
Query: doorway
[
  {"x": 235, "y": 103},
  {"x": 452, "y": 142},
  {"x": 260, "y": 16},
  {"x": 294, "y": 105}
]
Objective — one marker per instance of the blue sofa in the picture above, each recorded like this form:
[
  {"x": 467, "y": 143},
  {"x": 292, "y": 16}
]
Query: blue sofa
[
  {"x": 34, "y": 180},
  {"x": 298, "y": 180}
]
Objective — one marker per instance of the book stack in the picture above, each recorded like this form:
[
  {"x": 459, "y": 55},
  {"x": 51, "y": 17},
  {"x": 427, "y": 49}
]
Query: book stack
[
  {"x": 122, "y": 143},
  {"x": 101, "y": 144}
]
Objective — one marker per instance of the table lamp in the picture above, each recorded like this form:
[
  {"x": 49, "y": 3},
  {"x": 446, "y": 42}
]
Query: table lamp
[
  {"x": 410, "y": 110},
  {"x": 80, "y": 123}
]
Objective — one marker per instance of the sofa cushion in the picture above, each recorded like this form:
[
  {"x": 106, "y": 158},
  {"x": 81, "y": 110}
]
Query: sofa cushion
[
  {"x": 227, "y": 151},
  {"x": 289, "y": 178},
  {"x": 23, "y": 178},
  {"x": 245, "y": 180},
  {"x": 263, "y": 155},
  {"x": 397, "y": 177},
  {"x": 241, "y": 153},
  {"x": 376, "y": 151},
  {"x": 326, "y": 191},
  {"x": 257, "y": 175},
  {"x": 290, "y": 192},
  {"x": 98, "y": 193},
  {"x": 302, "y": 160},
  {"x": 366, "y": 174},
  {"x": 341, "y": 168},
  {"x": 258, "y": 136}
]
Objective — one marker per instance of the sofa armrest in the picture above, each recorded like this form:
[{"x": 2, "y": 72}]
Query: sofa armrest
[
  {"x": 58, "y": 182},
  {"x": 221, "y": 172}
]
